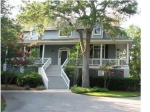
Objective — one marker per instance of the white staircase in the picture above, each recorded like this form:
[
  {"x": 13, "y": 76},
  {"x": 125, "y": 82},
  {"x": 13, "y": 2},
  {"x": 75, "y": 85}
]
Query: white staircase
[{"x": 56, "y": 81}]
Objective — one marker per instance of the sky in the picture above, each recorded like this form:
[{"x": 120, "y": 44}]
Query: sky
[{"x": 132, "y": 20}]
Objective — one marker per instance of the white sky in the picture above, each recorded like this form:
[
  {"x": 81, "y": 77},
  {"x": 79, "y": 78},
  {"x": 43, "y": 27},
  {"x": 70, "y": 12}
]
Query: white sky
[{"x": 132, "y": 20}]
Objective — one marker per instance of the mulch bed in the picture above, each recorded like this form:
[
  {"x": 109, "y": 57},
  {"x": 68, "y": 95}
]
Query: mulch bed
[
  {"x": 15, "y": 87},
  {"x": 3, "y": 100}
]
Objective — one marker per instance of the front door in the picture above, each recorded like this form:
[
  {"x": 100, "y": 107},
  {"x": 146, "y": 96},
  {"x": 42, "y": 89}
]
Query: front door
[{"x": 63, "y": 56}]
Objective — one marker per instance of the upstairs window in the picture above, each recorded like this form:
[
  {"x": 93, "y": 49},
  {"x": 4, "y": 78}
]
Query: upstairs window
[
  {"x": 33, "y": 33},
  {"x": 97, "y": 30},
  {"x": 64, "y": 34}
]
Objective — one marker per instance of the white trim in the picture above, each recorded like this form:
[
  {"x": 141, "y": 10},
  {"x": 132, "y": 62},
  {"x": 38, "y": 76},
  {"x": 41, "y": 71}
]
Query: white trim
[
  {"x": 127, "y": 53},
  {"x": 43, "y": 52},
  {"x": 103, "y": 45},
  {"x": 64, "y": 36},
  {"x": 98, "y": 29},
  {"x": 101, "y": 56},
  {"x": 59, "y": 53}
]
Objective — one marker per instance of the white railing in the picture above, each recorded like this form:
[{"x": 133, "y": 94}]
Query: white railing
[
  {"x": 42, "y": 72},
  {"x": 97, "y": 61},
  {"x": 63, "y": 74},
  {"x": 31, "y": 37}
]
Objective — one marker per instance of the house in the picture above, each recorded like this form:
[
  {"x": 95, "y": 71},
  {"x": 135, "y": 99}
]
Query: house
[{"x": 55, "y": 47}]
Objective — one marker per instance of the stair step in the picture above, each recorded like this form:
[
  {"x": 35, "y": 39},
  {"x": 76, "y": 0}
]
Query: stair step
[{"x": 56, "y": 82}]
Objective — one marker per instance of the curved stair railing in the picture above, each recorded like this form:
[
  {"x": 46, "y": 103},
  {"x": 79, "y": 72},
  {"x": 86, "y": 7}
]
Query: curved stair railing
[{"x": 42, "y": 72}]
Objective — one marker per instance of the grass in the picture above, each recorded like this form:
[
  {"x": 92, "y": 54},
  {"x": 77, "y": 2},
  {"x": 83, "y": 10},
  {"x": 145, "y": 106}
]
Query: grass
[
  {"x": 2, "y": 106},
  {"x": 116, "y": 94},
  {"x": 3, "y": 103}
]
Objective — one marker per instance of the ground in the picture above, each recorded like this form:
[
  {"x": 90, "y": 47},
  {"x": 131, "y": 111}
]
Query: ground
[
  {"x": 66, "y": 101},
  {"x": 15, "y": 87}
]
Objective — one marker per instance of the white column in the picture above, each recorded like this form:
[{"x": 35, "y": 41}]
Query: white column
[
  {"x": 24, "y": 50},
  {"x": 101, "y": 55},
  {"x": 127, "y": 53},
  {"x": 43, "y": 53}
]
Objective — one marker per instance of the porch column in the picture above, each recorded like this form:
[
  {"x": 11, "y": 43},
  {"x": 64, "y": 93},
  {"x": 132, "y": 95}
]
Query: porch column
[
  {"x": 43, "y": 53},
  {"x": 24, "y": 50},
  {"x": 127, "y": 53},
  {"x": 5, "y": 65},
  {"x": 101, "y": 55},
  {"x": 77, "y": 55}
]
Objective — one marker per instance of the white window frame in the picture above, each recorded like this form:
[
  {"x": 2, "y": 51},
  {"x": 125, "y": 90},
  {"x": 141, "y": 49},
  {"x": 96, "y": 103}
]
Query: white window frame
[
  {"x": 96, "y": 27},
  {"x": 64, "y": 35},
  {"x": 103, "y": 47}
]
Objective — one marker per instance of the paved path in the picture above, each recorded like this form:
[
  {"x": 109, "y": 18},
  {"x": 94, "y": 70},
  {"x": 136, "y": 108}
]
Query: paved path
[{"x": 65, "y": 101}]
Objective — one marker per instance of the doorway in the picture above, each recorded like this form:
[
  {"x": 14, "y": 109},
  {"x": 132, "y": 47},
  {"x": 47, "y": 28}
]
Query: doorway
[{"x": 63, "y": 54}]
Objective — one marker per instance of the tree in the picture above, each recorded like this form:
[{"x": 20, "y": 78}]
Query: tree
[
  {"x": 135, "y": 51},
  {"x": 74, "y": 14},
  {"x": 107, "y": 71}
]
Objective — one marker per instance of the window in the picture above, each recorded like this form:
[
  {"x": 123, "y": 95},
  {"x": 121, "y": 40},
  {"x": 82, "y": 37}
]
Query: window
[
  {"x": 97, "y": 30},
  {"x": 64, "y": 34},
  {"x": 33, "y": 33},
  {"x": 97, "y": 51}
]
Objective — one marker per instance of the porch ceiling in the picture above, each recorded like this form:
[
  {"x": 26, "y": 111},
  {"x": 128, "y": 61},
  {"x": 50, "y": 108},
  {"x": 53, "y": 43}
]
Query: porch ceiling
[{"x": 76, "y": 40}]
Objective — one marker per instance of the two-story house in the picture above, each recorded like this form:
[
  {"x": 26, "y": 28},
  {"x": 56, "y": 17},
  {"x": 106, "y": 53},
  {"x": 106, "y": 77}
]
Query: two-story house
[{"x": 55, "y": 47}]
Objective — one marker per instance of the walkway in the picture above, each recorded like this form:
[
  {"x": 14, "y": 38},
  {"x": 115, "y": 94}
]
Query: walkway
[{"x": 65, "y": 101}]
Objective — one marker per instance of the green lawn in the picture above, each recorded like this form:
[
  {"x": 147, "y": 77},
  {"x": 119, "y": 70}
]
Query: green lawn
[
  {"x": 2, "y": 106},
  {"x": 114, "y": 94}
]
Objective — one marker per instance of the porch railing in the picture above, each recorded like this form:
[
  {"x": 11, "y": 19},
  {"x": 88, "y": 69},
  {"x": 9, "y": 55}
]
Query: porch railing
[
  {"x": 97, "y": 61},
  {"x": 42, "y": 72},
  {"x": 63, "y": 74}
]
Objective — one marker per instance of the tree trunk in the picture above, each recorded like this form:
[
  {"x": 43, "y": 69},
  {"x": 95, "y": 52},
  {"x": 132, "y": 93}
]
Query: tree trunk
[{"x": 85, "y": 66}]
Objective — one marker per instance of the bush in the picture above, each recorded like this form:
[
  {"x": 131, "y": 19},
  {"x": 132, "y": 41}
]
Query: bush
[
  {"x": 32, "y": 80},
  {"x": 12, "y": 77},
  {"x": 129, "y": 84},
  {"x": 26, "y": 87},
  {"x": 81, "y": 90},
  {"x": 40, "y": 87}
]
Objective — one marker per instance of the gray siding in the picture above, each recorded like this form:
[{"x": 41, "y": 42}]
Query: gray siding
[
  {"x": 111, "y": 51},
  {"x": 51, "y": 51},
  {"x": 50, "y": 34}
]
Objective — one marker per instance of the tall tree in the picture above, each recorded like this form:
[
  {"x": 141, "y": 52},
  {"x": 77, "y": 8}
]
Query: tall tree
[
  {"x": 74, "y": 14},
  {"x": 134, "y": 33},
  {"x": 10, "y": 31}
]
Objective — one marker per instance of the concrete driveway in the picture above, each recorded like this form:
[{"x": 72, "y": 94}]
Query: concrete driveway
[{"x": 65, "y": 101}]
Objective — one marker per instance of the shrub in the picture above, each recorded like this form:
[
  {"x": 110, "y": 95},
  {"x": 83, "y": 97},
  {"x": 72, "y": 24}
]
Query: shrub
[
  {"x": 98, "y": 89},
  {"x": 40, "y": 87},
  {"x": 33, "y": 80},
  {"x": 81, "y": 90},
  {"x": 26, "y": 87},
  {"x": 130, "y": 84},
  {"x": 11, "y": 77}
]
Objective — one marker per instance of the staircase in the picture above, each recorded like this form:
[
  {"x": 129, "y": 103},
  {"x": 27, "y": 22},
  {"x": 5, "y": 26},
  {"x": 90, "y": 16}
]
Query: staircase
[{"x": 56, "y": 81}]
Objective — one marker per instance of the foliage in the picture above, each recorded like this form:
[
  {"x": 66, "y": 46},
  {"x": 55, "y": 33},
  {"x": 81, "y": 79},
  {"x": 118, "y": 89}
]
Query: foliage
[
  {"x": 40, "y": 87},
  {"x": 130, "y": 84},
  {"x": 116, "y": 94},
  {"x": 73, "y": 14},
  {"x": 3, "y": 105},
  {"x": 135, "y": 51},
  {"x": 81, "y": 90},
  {"x": 26, "y": 87},
  {"x": 107, "y": 72},
  {"x": 33, "y": 80},
  {"x": 8, "y": 77}
]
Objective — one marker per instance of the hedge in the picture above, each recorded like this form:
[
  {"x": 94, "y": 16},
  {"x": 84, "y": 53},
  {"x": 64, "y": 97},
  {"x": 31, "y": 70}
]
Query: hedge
[
  {"x": 33, "y": 80},
  {"x": 130, "y": 84},
  {"x": 11, "y": 77}
]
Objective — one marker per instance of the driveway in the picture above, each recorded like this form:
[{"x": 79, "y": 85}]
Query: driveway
[{"x": 65, "y": 101}]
